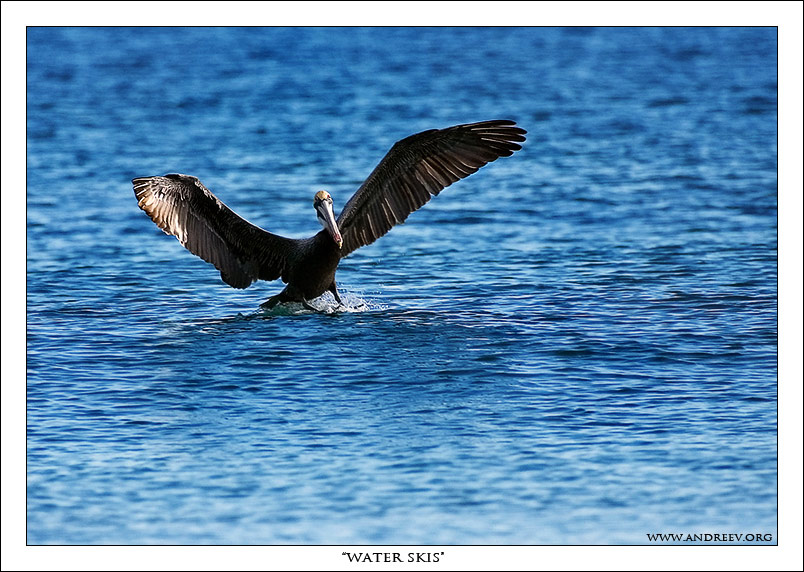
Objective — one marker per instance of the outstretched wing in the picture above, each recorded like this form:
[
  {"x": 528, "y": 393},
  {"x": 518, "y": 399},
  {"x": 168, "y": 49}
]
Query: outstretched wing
[
  {"x": 419, "y": 167},
  {"x": 180, "y": 205}
]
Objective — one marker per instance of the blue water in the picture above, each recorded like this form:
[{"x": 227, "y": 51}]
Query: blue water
[{"x": 577, "y": 344}]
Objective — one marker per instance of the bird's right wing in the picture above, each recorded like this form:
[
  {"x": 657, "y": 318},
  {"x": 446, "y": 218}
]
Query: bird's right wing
[{"x": 183, "y": 207}]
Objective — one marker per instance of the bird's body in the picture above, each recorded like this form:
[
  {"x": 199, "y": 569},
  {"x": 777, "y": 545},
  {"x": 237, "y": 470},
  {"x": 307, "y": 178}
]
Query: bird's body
[
  {"x": 314, "y": 271},
  {"x": 415, "y": 169}
]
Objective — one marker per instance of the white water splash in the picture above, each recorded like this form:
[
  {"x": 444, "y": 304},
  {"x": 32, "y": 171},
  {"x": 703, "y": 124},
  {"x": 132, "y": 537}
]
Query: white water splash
[{"x": 353, "y": 302}]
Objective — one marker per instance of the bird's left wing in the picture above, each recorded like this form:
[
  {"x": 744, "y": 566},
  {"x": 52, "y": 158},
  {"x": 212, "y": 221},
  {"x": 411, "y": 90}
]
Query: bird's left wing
[{"x": 418, "y": 167}]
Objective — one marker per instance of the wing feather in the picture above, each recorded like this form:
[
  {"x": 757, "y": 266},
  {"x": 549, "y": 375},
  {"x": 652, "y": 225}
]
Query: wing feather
[
  {"x": 418, "y": 167},
  {"x": 183, "y": 207}
]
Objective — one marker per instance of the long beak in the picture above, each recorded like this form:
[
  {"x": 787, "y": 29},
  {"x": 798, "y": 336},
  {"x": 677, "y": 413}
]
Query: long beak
[{"x": 327, "y": 218}]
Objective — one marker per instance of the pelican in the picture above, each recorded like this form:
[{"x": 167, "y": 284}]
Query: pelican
[{"x": 416, "y": 168}]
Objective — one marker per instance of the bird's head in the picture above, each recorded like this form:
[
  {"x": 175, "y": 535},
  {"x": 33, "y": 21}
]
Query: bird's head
[{"x": 323, "y": 208}]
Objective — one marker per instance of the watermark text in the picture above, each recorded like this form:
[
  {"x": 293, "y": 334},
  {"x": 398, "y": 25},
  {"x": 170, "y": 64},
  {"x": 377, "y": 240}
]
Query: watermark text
[{"x": 709, "y": 537}]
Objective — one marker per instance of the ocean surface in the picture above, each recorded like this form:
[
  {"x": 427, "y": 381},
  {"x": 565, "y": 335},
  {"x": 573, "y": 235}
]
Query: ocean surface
[{"x": 576, "y": 345}]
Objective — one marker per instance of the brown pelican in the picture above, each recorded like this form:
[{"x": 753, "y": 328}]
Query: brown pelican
[{"x": 414, "y": 169}]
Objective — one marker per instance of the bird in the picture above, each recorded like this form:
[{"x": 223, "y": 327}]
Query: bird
[{"x": 414, "y": 170}]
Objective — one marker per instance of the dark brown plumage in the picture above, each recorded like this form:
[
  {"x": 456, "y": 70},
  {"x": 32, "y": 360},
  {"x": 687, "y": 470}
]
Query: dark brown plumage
[{"x": 416, "y": 168}]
